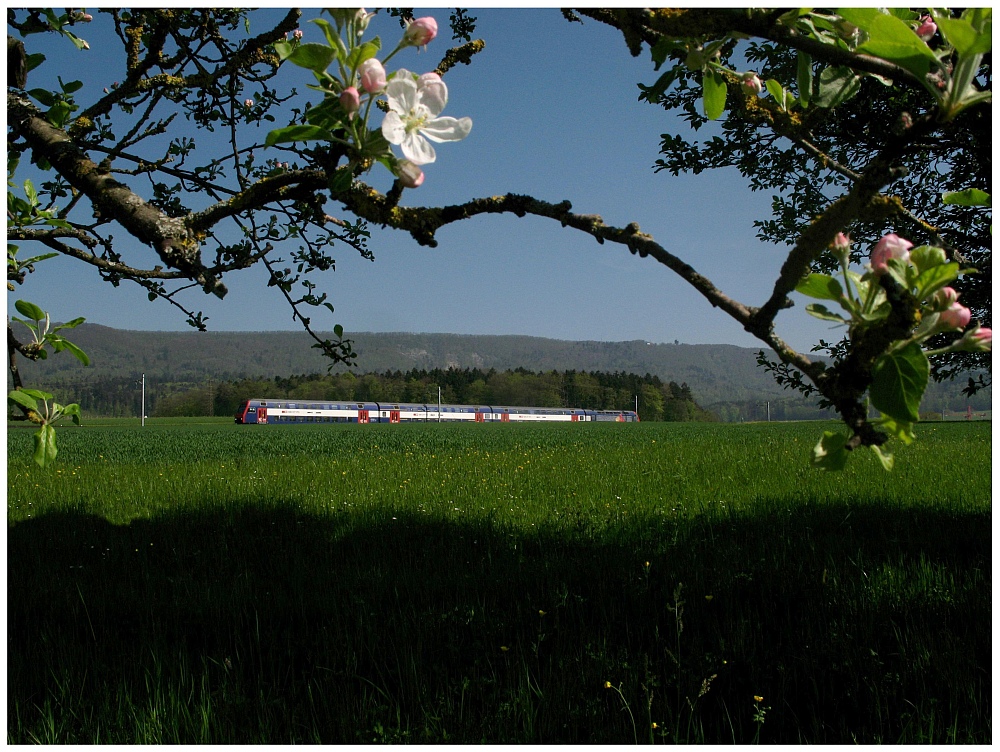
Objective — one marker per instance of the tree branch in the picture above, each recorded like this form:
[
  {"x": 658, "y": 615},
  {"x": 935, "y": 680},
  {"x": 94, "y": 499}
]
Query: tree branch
[{"x": 169, "y": 236}]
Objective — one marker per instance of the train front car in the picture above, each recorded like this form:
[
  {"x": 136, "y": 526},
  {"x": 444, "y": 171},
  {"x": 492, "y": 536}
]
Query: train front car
[{"x": 615, "y": 416}]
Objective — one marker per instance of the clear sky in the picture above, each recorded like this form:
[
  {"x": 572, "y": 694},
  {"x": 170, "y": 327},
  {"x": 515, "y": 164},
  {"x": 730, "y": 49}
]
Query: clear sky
[{"x": 555, "y": 115}]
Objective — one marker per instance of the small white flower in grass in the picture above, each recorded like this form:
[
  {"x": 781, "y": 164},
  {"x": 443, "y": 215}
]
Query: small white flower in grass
[{"x": 412, "y": 120}]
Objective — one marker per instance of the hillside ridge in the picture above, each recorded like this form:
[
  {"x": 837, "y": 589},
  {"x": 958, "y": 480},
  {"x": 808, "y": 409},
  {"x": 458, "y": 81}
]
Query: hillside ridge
[{"x": 715, "y": 373}]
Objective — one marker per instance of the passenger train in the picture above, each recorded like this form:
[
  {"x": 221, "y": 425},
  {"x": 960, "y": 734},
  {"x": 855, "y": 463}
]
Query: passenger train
[{"x": 268, "y": 411}]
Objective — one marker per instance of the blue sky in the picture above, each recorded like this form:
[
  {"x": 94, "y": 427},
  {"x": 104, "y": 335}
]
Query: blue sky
[{"x": 555, "y": 115}]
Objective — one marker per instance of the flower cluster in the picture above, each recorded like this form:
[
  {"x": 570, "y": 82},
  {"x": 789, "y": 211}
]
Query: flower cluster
[
  {"x": 899, "y": 376},
  {"x": 413, "y": 103}
]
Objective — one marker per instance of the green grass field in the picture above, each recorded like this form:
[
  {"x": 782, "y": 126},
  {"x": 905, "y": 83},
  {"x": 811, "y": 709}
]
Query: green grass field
[{"x": 203, "y": 582}]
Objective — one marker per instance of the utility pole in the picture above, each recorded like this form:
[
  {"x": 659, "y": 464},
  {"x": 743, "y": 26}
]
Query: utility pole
[{"x": 143, "y": 409}]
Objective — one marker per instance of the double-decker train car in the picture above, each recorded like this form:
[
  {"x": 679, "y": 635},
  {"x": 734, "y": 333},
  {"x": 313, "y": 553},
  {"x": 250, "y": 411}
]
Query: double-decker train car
[{"x": 268, "y": 411}]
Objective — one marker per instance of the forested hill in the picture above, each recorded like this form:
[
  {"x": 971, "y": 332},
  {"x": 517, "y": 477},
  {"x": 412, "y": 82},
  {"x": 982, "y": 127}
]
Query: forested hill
[{"x": 716, "y": 374}]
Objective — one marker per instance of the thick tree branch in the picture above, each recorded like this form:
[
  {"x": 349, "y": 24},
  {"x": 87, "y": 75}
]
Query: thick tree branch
[
  {"x": 644, "y": 25},
  {"x": 169, "y": 236}
]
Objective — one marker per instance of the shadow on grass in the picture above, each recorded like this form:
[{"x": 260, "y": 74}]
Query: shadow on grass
[{"x": 268, "y": 624}]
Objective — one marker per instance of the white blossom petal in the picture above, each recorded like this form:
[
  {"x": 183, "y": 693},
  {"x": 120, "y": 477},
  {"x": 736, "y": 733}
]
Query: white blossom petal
[
  {"x": 402, "y": 92},
  {"x": 393, "y": 128},
  {"x": 433, "y": 93},
  {"x": 417, "y": 149},
  {"x": 447, "y": 129}
]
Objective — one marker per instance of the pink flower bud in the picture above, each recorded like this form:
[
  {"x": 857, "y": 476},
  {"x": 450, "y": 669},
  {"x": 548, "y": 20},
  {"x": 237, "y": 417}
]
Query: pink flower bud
[
  {"x": 248, "y": 103},
  {"x": 944, "y": 299},
  {"x": 841, "y": 243},
  {"x": 350, "y": 100},
  {"x": 410, "y": 175},
  {"x": 372, "y": 76},
  {"x": 982, "y": 337},
  {"x": 752, "y": 82},
  {"x": 978, "y": 339},
  {"x": 86, "y": 18},
  {"x": 420, "y": 31},
  {"x": 297, "y": 34},
  {"x": 927, "y": 28},
  {"x": 890, "y": 247},
  {"x": 956, "y": 317}
]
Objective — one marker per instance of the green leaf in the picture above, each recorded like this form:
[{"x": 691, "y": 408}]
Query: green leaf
[
  {"x": 284, "y": 49},
  {"x": 31, "y": 193},
  {"x": 363, "y": 52},
  {"x": 312, "y": 56},
  {"x": 803, "y": 77},
  {"x": 902, "y": 430},
  {"x": 59, "y": 113},
  {"x": 831, "y": 452},
  {"x": 45, "y": 445},
  {"x": 70, "y": 324},
  {"x": 891, "y": 39},
  {"x": 824, "y": 313},
  {"x": 36, "y": 259},
  {"x": 925, "y": 256},
  {"x": 71, "y": 87},
  {"x": 775, "y": 90},
  {"x": 898, "y": 383},
  {"x": 38, "y": 394},
  {"x": 821, "y": 286},
  {"x": 327, "y": 114},
  {"x": 936, "y": 277},
  {"x": 885, "y": 458},
  {"x": 968, "y": 197},
  {"x": 59, "y": 344},
  {"x": 297, "y": 133},
  {"x": 835, "y": 86},
  {"x": 332, "y": 38},
  {"x": 19, "y": 397},
  {"x": 34, "y": 60},
  {"x": 30, "y": 310},
  {"x": 72, "y": 410},
  {"x": 961, "y": 35},
  {"x": 341, "y": 179},
  {"x": 80, "y": 43},
  {"x": 46, "y": 97},
  {"x": 713, "y": 93},
  {"x": 338, "y": 331},
  {"x": 654, "y": 92}
]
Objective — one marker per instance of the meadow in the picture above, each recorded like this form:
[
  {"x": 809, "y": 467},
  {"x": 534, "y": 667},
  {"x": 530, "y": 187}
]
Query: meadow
[{"x": 209, "y": 583}]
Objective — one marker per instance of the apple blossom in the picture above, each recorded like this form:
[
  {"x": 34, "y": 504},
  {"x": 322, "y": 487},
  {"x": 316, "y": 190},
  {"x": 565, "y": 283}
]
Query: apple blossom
[
  {"x": 297, "y": 34},
  {"x": 372, "y": 74},
  {"x": 248, "y": 103},
  {"x": 350, "y": 100},
  {"x": 957, "y": 316},
  {"x": 412, "y": 120},
  {"x": 981, "y": 337},
  {"x": 927, "y": 28},
  {"x": 752, "y": 82},
  {"x": 361, "y": 20},
  {"x": 890, "y": 247},
  {"x": 419, "y": 32},
  {"x": 410, "y": 175},
  {"x": 944, "y": 298}
]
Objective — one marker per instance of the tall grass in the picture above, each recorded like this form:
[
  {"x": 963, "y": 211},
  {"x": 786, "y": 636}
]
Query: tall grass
[{"x": 605, "y": 583}]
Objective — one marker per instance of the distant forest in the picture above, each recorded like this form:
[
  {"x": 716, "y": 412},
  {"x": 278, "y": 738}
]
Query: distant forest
[
  {"x": 198, "y": 373},
  {"x": 658, "y": 401}
]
